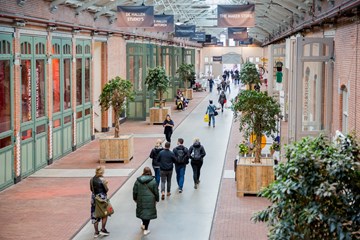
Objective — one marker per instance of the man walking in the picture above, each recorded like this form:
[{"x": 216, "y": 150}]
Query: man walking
[
  {"x": 166, "y": 160},
  {"x": 197, "y": 154},
  {"x": 182, "y": 159}
]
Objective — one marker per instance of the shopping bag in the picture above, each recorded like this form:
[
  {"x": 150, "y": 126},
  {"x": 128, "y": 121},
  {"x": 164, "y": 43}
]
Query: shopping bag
[{"x": 206, "y": 118}]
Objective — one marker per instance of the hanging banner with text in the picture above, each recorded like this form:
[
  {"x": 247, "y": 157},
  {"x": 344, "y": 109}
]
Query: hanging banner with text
[
  {"x": 184, "y": 31},
  {"x": 247, "y": 41},
  {"x": 135, "y": 16},
  {"x": 236, "y": 15},
  {"x": 198, "y": 36},
  {"x": 163, "y": 23},
  {"x": 238, "y": 33}
]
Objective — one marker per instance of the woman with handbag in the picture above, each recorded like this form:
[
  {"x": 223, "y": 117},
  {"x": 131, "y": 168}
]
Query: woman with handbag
[
  {"x": 146, "y": 194},
  {"x": 222, "y": 100},
  {"x": 99, "y": 189}
]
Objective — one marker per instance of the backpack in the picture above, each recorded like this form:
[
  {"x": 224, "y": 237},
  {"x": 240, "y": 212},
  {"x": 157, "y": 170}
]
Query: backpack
[
  {"x": 197, "y": 154},
  {"x": 181, "y": 156}
]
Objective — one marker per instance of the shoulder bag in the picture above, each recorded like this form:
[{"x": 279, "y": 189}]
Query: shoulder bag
[{"x": 103, "y": 207}]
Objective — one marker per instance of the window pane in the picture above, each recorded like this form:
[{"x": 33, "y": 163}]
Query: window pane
[
  {"x": 5, "y": 142},
  {"x": 57, "y": 123},
  {"x": 56, "y": 84},
  {"x": 40, "y": 88},
  {"x": 131, "y": 69},
  {"x": 26, "y": 90},
  {"x": 5, "y": 107},
  {"x": 87, "y": 111},
  {"x": 40, "y": 129},
  {"x": 26, "y": 134},
  {"x": 67, "y": 84},
  {"x": 313, "y": 96},
  {"x": 67, "y": 119},
  {"x": 139, "y": 72},
  {"x": 87, "y": 80},
  {"x": 79, "y": 115},
  {"x": 78, "y": 82}
]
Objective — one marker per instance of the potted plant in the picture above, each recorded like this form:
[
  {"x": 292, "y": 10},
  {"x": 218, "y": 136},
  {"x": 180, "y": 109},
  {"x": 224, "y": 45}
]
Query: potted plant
[
  {"x": 187, "y": 74},
  {"x": 316, "y": 191},
  {"x": 249, "y": 75},
  {"x": 115, "y": 94},
  {"x": 243, "y": 148},
  {"x": 157, "y": 80}
]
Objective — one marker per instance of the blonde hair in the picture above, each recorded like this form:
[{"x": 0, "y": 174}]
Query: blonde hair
[
  {"x": 196, "y": 140},
  {"x": 99, "y": 171},
  {"x": 158, "y": 143}
]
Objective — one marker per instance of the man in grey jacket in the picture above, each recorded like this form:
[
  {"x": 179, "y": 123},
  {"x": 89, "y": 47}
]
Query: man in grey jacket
[{"x": 166, "y": 160}]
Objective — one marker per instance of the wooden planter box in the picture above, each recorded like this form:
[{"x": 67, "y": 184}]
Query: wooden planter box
[
  {"x": 189, "y": 93},
  {"x": 251, "y": 177},
  {"x": 158, "y": 103},
  {"x": 158, "y": 115},
  {"x": 117, "y": 149}
]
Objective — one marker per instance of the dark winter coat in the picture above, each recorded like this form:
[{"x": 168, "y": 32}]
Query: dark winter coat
[
  {"x": 166, "y": 160},
  {"x": 202, "y": 150},
  {"x": 222, "y": 98},
  {"x": 186, "y": 154},
  {"x": 146, "y": 197},
  {"x": 153, "y": 155}
]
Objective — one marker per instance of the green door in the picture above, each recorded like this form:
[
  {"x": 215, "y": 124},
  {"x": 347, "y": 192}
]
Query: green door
[
  {"x": 62, "y": 112},
  {"x": 6, "y": 112},
  {"x": 83, "y": 90},
  {"x": 34, "y": 122}
]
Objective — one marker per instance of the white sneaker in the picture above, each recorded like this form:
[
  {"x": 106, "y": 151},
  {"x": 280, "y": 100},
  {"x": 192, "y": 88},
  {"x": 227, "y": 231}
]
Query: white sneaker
[
  {"x": 146, "y": 232},
  {"x": 142, "y": 227}
]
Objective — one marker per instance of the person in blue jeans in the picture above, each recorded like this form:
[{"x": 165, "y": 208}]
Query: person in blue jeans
[
  {"x": 211, "y": 110},
  {"x": 153, "y": 155},
  {"x": 182, "y": 159}
]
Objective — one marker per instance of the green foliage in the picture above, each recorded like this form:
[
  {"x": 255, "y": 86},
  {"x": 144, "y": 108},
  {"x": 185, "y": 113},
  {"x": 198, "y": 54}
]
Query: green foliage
[
  {"x": 186, "y": 73},
  {"x": 258, "y": 114},
  {"x": 275, "y": 146},
  {"x": 316, "y": 194},
  {"x": 115, "y": 94},
  {"x": 157, "y": 80},
  {"x": 243, "y": 148},
  {"x": 249, "y": 74}
]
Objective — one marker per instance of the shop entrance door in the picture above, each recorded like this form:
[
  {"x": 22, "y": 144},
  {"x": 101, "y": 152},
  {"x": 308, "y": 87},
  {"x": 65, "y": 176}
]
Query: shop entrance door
[{"x": 34, "y": 122}]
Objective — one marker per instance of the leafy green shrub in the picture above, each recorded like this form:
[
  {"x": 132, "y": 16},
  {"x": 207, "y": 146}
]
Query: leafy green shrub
[
  {"x": 157, "y": 80},
  {"x": 249, "y": 74},
  {"x": 316, "y": 194}
]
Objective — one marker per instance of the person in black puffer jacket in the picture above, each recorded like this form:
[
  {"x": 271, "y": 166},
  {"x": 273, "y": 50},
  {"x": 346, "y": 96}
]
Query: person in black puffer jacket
[
  {"x": 197, "y": 154},
  {"x": 153, "y": 155}
]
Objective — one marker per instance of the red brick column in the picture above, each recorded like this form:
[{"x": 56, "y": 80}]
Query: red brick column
[
  {"x": 49, "y": 77},
  {"x": 104, "y": 78},
  {"x": 73, "y": 93}
]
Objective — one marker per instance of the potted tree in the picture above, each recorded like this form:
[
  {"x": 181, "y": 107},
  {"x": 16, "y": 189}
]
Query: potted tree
[
  {"x": 249, "y": 76},
  {"x": 157, "y": 81},
  {"x": 258, "y": 114},
  {"x": 115, "y": 94},
  {"x": 187, "y": 75}
]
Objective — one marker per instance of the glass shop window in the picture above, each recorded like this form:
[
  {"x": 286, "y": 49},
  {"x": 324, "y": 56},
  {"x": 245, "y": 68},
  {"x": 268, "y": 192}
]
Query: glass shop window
[
  {"x": 78, "y": 81},
  {"x": 26, "y": 87},
  {"x": 40, "y": 88},
  {"x": 87, "y": 80},
  {"x": 56, "y": 84},
  {"x": 5, "y": 107},
  {"x": 67, "y": 84}
]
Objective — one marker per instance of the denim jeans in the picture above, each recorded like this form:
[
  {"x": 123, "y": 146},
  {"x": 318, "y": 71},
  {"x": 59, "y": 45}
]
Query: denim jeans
[
  {"x": 166, "y": 177},
  {"x": 180, "y": 175},
  {"x": 196, "y": 166},
  {"x": 157, "y": 175},
  {"x": 212, "y": 119}
]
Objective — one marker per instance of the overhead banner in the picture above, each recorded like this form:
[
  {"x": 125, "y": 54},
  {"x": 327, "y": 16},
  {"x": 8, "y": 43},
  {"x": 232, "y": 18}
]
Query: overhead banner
[
  {"x": 247, "y": 41},
  {"x": 236, "y": 15},
  {"x": 163, "y": 23},
  {"x": 198, "y": 36},
  {"x": 238, "y": 33},
  {"x": 214, "y": 41},
  {"x": 135, "y": 16},
  {"x": 217, "y": 58},
  {"x": 184, "y": 31}
]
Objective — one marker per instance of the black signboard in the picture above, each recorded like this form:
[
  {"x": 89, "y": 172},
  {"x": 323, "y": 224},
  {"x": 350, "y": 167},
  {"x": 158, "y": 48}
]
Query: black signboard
[{"x": 135, "y": 16}]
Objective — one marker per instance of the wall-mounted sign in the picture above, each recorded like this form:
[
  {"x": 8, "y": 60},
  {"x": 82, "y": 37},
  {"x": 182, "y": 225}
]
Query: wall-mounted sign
[
  {"x": 135, "y": 16},
  {"x": 248, "y": 41},
  {"x": 217, "y": 58},
  {"x": 236, "y": 15},
  {"x": 238, "y": 33},
  {"x": 198, "y": 36},
  {"x": 184, "y": 30}
]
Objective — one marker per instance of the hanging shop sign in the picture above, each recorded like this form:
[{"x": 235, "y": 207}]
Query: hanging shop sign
[
  {"x": 135, "y": 16},
  {"x": 236, "y": 15},
  {"x": 184, "y": 30},
  {"x": 238, "y": 33},
  {"x": 198, "y": 36},
  {"x": 217, "y": 58},
  {"x": 247, "y": 41},
  {"x": 219, "y": 44},
  {"x": 213, "y": 41},
  {"x": 163, "y": 23}
]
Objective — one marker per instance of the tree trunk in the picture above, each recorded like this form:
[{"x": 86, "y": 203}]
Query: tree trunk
[
  {"x": 160, "y": 98},
  {"x": 117, "y": 125},
  {"x": 258, "y": 149}
]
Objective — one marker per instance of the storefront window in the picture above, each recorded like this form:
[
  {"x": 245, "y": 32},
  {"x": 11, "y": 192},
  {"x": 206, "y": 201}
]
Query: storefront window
[
  {"x": 87, "y": 80},
  {"x": 56, "y": 85},
  {"x": 40, "y": 88},
  {"x": 5, "y": 106},
  {"x": 67, "y": 89},
  {"x": 131, "y": 69},
  {"x": 5, "y": 142},
  {"x": 78, "y": 82},
  {"x": 139, "y": 82},
  {"x": 26, "y": 90}
]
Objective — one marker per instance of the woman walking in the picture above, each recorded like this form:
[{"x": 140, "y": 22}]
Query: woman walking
[
  {"x": 146, "y": 194},
  {"x": 153, "y": 155},
  {"x": 168, "y": 125},
  {"x": 98, "y": 187},
  {"x": 222, "y": 100}
]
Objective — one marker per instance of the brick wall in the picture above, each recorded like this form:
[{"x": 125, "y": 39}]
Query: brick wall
[{"x": 116, "y": 57}]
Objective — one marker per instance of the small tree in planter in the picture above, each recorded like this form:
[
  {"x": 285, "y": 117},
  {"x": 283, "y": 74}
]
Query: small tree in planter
[
  {"x": 186, "y": 73},
  {"x": 157, "y": 80},
  {"x": 114, "y": 94},
  {"x": 249, "y": 75},
  {"x": 258, "y": 114},
  {"x": 316, "y": 192}
]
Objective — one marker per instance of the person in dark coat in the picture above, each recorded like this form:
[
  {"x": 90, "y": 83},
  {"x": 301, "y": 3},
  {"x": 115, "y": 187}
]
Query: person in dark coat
[
  {"x": 153, "y": 155},
  {"x": 182, "y": 159},
  {"x": 146, "y": 194},
  {"x": 166, "y": 160},
  {"x": 211, "y": 83},
  {"x": 168, "y": 125},
  {"x": 197, "y": 154},
  {"x": 222, "y": 100}
]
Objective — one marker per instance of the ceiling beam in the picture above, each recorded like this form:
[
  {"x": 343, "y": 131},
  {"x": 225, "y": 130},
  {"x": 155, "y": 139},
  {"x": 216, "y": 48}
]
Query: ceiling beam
[
  {"x": 108, "y": 7},
  {"x": 288, "y": 6},
  {"x": 86, "y": 5}
]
